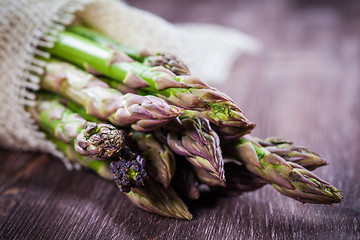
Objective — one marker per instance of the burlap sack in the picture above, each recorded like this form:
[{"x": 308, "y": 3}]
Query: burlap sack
[{"x": 26, "y": 24}]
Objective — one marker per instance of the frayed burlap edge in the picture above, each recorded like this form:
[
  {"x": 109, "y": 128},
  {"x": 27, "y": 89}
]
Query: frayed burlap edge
[{"x": 24, "y": 25}]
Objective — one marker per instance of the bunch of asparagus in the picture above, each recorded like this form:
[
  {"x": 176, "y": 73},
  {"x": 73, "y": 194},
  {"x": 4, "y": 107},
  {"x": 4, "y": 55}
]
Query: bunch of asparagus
[{"x": 144, "y": 121}]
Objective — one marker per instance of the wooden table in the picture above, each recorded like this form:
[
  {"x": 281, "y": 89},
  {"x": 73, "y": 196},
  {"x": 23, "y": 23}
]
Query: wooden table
[{"x": 304, "y": 86}]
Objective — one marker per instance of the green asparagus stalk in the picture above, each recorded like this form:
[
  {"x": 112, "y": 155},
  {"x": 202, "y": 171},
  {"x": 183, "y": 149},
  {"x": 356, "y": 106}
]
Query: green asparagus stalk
[
  {"x": 193, "y": 138},
  {"x": 142, "y": 113},
  {"x": 287, "y": 150},
  {"x": 288, "y": 178},
  {"x": 184, "y": 91},
  {"x": 160, "y": 59},
  {"x": 161, "y": 161},
  {"x": 154, "y": 198},
  {"x": 108, "y": 42},
  {"x": 101, "y": 141}
]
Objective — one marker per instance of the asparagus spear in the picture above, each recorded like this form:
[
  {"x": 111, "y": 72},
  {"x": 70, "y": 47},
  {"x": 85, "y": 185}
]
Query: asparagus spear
[
  {"x": 288, "y": 178},
  {"x": 184, "y": 91},
  {"x": 143, "y": 113},
  {"x": 226, "y": 133},
  {"x": 287, "y": 150},
  {"x": 161, "y": 161},
  {"x": 160, "y": 59},
  {"x": 101, "y": 141},
  {"x": 193, "y": 138},
  {"x": 108, "y": 42},
  {"x": 153, "y": 198}
]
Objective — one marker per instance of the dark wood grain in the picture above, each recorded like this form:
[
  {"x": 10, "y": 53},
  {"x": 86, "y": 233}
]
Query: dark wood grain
[{"x": 304, "y": 86}]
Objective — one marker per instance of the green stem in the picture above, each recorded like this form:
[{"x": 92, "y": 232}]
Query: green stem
[{"x": 106, "y": 41}]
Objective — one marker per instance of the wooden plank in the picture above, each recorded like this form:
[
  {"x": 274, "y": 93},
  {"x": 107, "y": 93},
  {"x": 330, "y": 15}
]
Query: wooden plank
[{"x": 303, "y": 87}]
